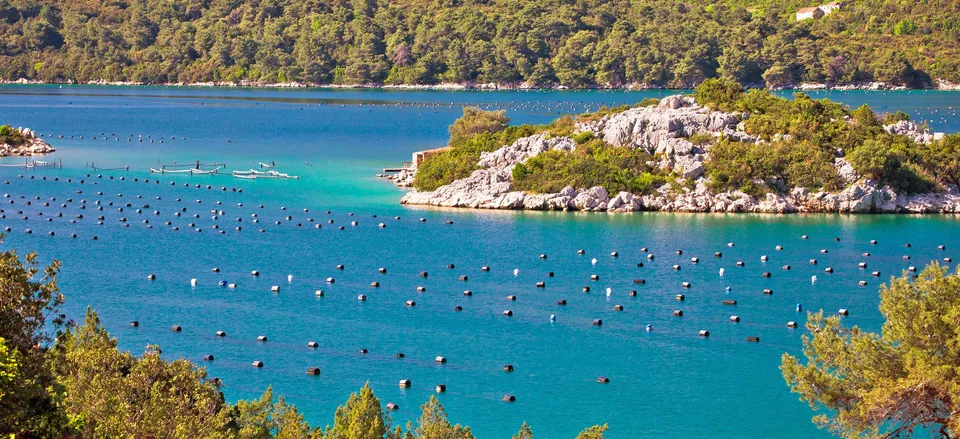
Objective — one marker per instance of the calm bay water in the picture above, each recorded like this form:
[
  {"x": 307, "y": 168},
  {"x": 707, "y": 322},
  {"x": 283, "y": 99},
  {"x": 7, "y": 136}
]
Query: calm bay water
[{"x": 664, "y": 383}]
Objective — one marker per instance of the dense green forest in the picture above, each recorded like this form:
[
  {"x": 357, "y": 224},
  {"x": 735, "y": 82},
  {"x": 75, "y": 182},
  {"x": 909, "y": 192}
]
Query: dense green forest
[
  {"x": 801, "y": 139},
  {"x": 574, "y": 43},
  {"x": 65, "y": 379}
]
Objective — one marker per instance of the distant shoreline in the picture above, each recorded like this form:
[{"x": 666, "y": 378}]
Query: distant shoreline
[{"x": 941, "y": 85}]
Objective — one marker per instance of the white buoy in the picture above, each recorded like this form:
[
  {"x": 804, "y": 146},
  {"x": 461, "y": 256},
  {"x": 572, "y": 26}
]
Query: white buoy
[
  {"x": 609, "y": 292},
  {"x": 553, "y": 317},
  {"x": 593, "y": 261},
  {"x": 516, "y": 271},
  {"x": 813, "y": 279},
  {"x": 193, "y": 282},
  {"x": 289, "y": 278},
  {"x": 721, "y": 272}
]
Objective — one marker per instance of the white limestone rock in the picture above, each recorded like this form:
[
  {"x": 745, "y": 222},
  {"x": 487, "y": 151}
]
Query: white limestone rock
[
  {"x": 690, "y": 166},
  {"x": 659, "y": 128},
  {"x": 32, "y": 145},
  {"x": 913, "y": 131}
]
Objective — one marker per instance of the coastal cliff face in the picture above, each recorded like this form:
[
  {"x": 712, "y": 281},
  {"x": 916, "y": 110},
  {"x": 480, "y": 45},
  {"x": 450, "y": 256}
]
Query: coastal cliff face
[
  {"x": 32, "y": 145},
  {"x": 663, "y": 130}
]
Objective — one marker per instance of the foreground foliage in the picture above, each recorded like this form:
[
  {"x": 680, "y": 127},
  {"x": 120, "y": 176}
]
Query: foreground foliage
[
  {"x": 29, "y": 298},
  {"x": 77, "y": 383},
  {"x": 893, "y": 384},
  {"x": 576, "y": 43}
]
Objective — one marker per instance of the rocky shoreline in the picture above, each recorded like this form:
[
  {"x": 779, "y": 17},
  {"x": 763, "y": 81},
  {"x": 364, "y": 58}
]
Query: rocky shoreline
[
  {"x": 663, "y": 130},
  {"x": 33, "y": 145},
  {"x": 876, "y": 86}
]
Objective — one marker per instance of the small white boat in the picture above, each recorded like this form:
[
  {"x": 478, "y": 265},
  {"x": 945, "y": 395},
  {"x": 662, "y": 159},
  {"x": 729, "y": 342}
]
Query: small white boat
[
  {"x": 276, "y": 174},
  {"x": 268, "y": 165},
  {"x": 253, "y": 175},
  {"x": 168, "y": 171},
  {"x": 250, "y": 172}
]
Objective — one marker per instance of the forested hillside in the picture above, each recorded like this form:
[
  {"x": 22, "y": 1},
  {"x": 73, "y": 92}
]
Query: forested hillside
[{"x": 574, "y": 43}]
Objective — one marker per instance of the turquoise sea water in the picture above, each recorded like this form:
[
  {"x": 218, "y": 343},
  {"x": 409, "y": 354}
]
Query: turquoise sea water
[{"x": 664, "y": 383}]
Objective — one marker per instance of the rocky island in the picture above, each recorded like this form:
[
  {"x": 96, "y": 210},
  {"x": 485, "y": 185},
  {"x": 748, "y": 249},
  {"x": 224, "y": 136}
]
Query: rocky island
[
  {"x": 21, "y": 142},
  {"x": 709, "y": 153}
]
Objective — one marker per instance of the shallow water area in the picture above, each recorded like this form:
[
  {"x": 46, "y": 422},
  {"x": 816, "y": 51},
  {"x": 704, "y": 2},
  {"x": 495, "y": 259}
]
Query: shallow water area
[{"x": 668, "y": 382}]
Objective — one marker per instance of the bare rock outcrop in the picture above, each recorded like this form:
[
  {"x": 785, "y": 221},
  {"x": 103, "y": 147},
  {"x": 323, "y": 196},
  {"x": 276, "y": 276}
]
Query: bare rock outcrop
[
  {"x": 915, "y": 132},
  {"x": 662, "y": 128},
  {"x": 32, "y": 145}
]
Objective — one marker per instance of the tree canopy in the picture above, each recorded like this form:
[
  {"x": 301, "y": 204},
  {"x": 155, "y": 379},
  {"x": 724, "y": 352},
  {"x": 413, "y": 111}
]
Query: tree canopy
[
  {"x": 901, "y": 381},
  {"x": 475, "y": 121},
  {"x": 574, "y": 43}
]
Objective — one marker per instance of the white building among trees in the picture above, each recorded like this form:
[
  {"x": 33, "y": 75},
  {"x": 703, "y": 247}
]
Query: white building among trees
[
  {"x": 831, "y": 7},
  {"x": 809, "y": 13},
  {"x": 818, "y": 11}
]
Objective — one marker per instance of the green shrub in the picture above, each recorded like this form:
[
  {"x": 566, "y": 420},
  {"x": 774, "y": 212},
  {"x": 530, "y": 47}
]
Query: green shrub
[
  {"x": 719, "y": 93},
  {"x": 476, "y": 121},
  {"x": 905, "y": 27},
  {"x": 461, "y": 160},
  {"x": 942, "y": 159},
  {"x": 778, "y": 166},
  {"x": 865, "y": 117},
  {"x": 701, "y": 139},
  {"x": 562, "y": 127},
  {"x": 593, "y": 163},
  {"x": 760, "y": 101},
  {"x": 584, "y": 137},
  {"x": 648, "y": 102},
  {"x": 891, "y": 160},
  {"x": 892, "y": 118},
  {"x": 10, "y": 136}
]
